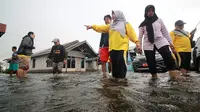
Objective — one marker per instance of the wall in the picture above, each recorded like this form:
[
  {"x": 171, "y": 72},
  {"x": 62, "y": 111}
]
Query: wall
[
  {"x": 91, "y": 65},
  {"x": 40, "y": 63}
]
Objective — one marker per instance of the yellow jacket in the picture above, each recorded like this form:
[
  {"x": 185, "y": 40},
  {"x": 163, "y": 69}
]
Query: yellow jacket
[
  {"x": 116, "y": 41},
  {"x": 181, "y": 42}
]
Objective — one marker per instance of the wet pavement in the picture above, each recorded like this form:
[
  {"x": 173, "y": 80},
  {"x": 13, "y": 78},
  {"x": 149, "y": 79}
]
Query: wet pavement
[{"x": 86, "y": 92}]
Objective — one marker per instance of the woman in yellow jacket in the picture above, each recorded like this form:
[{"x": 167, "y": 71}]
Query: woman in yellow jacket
[
  {"x": 181, "y": 41},
  {"x": 120, "y": 31}
]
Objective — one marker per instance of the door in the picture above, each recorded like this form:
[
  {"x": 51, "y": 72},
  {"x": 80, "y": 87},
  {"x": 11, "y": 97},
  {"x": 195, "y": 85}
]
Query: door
[{"x": 78, "y": 64}]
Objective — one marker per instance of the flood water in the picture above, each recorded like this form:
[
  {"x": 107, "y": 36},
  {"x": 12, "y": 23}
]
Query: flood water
[{"x": 86, "y": 92}]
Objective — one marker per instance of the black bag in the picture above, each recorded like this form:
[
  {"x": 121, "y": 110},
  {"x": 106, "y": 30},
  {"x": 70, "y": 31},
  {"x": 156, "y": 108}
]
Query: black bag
[
  {"x": 192, "y": 43},
  {"x": 20, "y": 50}
]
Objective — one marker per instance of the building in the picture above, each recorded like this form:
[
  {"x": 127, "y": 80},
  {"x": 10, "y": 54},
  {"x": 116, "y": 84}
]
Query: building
[
  {"x": 92, "y": 64},
  {"x": 77, "y": 54}
]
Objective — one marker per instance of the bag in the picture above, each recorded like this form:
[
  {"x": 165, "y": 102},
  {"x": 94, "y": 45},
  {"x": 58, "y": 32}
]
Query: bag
[
  {"x": 192, "y": 43},
  {"x": 20, "y": 50}
]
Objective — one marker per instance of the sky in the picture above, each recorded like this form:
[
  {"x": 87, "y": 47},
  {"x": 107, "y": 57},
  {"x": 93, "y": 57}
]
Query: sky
[{"x": 65, "y": 19}]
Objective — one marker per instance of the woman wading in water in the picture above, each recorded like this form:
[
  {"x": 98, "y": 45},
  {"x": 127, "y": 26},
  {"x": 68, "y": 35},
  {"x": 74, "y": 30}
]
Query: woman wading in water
[
  {"x": 120, "y": 32},
  {"x": 157, "y": 38}
]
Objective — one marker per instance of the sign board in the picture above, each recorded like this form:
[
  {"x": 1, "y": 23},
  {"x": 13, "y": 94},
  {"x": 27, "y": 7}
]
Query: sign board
[{"x": 2, "y": 29}]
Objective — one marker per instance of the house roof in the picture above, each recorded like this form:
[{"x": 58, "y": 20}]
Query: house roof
[
  {"x": 70, "y": 46},
  {"x": 85, "y": 44},
  {"x": 91, "y": 59}
]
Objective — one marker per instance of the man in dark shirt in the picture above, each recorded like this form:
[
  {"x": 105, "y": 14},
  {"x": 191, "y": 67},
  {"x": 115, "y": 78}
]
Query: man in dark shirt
[
  {"x": 104, "y": 46},
  {"x": 58, "y": 56}
]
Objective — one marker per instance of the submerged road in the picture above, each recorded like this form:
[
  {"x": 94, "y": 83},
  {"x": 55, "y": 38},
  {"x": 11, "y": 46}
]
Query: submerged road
[{"x": 86, "y": 92}]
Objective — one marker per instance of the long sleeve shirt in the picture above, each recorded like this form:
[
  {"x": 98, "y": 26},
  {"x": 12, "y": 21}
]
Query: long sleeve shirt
[
  {"x": 58, "y": 53},
  {"x": 116, "y": 41},
  {"x": 161, "y": 36}
]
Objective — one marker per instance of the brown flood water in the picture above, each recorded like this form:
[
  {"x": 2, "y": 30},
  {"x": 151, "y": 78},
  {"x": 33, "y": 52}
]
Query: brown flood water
[{"x": 86, "y": 92}]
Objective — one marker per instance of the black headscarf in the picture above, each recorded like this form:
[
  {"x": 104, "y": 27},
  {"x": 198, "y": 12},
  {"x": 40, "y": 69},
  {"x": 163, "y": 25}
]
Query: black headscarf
[{"x": 148, "y": 23}]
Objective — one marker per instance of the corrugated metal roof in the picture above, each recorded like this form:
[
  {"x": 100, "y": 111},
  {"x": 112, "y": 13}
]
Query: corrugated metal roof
[
  {"x": 69, "y": 46},
  {"x": 81, "y": 43},
  {"x": 47, "y": 51}
]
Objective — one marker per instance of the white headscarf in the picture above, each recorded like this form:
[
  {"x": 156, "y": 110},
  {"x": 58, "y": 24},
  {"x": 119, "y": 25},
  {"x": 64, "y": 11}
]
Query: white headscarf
[{"x": 119, "y": 24}]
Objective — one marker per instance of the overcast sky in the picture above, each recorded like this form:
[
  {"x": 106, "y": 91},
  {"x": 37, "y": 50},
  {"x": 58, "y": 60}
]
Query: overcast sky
[{"x": 65, "y": 19}]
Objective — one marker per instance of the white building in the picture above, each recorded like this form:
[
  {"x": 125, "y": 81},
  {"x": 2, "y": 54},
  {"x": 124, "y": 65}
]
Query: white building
[{"x": 77, "y": 53}]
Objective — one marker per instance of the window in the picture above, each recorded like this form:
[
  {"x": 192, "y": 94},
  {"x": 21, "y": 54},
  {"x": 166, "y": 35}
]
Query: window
[
  {"x": 68, "y": 62},
  {"x": 73, "y": 62},
  {"x": 83, "y": 63},
  {"x": 33, "y": 66}
]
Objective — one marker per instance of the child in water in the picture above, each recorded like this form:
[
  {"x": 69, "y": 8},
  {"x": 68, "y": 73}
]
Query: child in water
[{"x": 14, "y": 66}]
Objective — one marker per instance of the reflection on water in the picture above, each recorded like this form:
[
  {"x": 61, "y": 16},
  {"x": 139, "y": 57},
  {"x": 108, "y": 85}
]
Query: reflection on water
[{"x": 87, "y": 92}]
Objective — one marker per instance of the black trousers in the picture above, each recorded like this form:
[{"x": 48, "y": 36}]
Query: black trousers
[
  {"x": 185, "y": 60},
  {"x": 166, "y": 55},
  {"x": 118, "y": 59}
]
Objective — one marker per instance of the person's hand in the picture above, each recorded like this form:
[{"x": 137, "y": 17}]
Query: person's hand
[
  {"x": 88, "y": 27},
  {"x": 47, "y": 60},
  {"x": 173, "y": 49},
  {"x": 33, "y": 47},
  {"x": 139, "y": 49}
]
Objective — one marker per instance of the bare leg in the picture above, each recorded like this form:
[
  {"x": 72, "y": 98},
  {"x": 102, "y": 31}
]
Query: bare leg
[
  {"x": 11, "y": 72},
  {"x": 110, "y": 67},
  {"x": 17, "y": 73},
  {"x": 104, "y": 68},
  {"x": 184, "y": 72}
]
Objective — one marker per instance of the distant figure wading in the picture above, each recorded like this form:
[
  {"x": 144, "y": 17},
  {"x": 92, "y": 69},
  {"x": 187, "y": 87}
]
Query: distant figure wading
[
  {"x": 57, "y": 56},
  {"x": 104, "y": 47},
  {"x": 24, "y": 53}
]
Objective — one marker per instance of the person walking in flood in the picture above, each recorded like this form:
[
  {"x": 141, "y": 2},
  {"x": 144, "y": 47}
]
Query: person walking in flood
[
  {"x": 120, "y": 32},
  {"x": 182, "y": 45},
  {"x": 24, "y": 53},
  {"x": 14, "y": 66},
  {"x": 103, "y": 46},
  {"x": 58, "y": 56},
  {"x": 156, "y": 38}
]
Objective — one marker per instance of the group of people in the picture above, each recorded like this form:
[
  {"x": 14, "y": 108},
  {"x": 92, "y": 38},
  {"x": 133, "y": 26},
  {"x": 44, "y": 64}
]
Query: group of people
[
  {"x": 114, "y": 45},
  {"x": 115, "y": 41},
  {"x": 19, "y": 62}
]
